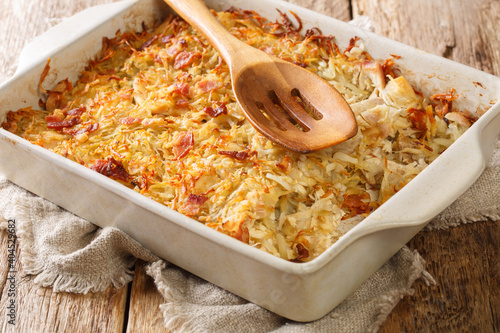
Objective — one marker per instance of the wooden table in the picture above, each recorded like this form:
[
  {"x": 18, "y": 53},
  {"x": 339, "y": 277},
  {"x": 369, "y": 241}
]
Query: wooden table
[{"x": 463, "y": 260}]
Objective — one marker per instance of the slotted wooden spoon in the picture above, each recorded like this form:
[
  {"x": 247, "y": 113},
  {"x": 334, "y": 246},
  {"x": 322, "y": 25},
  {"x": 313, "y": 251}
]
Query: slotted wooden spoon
[{"x": 288, "y": 104}]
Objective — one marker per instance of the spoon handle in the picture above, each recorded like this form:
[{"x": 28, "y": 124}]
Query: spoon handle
[{"x": 199, "y": 16}]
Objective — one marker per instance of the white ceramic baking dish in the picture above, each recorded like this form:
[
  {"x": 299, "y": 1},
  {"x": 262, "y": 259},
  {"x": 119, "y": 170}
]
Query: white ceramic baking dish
[{"x": 301, "y": 292}]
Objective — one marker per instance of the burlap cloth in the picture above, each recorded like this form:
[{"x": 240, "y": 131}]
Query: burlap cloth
[{"x": 69, "y": 254}]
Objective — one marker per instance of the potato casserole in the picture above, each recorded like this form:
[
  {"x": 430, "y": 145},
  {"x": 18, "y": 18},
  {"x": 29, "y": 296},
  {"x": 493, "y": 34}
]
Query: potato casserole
[{"x": 155, "y": 111}]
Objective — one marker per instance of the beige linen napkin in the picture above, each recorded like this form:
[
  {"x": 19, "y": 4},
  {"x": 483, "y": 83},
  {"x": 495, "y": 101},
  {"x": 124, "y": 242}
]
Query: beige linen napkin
[{"x": 70, "y": 254}]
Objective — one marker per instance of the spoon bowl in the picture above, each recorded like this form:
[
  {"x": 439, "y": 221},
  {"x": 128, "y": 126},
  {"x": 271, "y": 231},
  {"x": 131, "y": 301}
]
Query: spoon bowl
[{"x": 288, "y": 104}]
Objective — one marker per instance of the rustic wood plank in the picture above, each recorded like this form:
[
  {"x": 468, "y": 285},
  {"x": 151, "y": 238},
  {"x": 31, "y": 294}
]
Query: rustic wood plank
[
  {"x": 144, "y": 313},
  {"x": 464, "y": 262},
  {"x": 38, "y": 309},
  {"x": 22, "y": 20},
  {"x": 464, "y": 31},
  {"x": 411, "y": 22},
  {"x": 486, "y": 49},
  {"x": 492, "y": 267},
  {"x": 339, "y": 9}
]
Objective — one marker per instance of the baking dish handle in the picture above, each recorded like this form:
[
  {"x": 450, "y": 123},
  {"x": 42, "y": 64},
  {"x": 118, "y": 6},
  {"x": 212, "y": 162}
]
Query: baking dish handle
[{"x": 441, "y": 183}]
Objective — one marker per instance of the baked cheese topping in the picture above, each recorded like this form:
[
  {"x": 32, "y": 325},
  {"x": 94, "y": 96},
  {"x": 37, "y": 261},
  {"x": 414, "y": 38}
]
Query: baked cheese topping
[{"x": 155, "y": 111}]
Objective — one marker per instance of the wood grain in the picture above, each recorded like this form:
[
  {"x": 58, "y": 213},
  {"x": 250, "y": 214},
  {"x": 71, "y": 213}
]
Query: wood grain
[
  {"x": 255, "y": 73},
  {"x": 463, "y": 260},
  {"x": 340, "y": 9},
  {"x": 22, "y": 20},
  {"x": 39, "y": 309},
  {"x": 464, "y": 31},
  {"x": 144, "y": 314}
]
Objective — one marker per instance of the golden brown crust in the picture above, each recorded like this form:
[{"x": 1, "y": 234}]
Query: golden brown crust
[{"x": 155, "y": 111}]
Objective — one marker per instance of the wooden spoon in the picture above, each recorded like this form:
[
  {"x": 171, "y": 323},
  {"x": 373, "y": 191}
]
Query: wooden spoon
[{"x": 288, "y": 104}]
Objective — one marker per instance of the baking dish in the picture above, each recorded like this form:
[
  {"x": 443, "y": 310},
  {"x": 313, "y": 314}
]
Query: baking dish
[{"x": 298, "y": 291}]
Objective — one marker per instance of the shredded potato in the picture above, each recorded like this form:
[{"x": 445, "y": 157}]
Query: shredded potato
[{"x": 155, "y": 111}]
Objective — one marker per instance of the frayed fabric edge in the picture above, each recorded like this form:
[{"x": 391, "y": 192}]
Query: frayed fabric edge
[
  {"x": 443, "y": 223},
  {"x": 24, "y": 230},
  {"x": 391, "y": 299},
  {"x": 79, "y": 285},
  {"x": 173, "y": 319},
  {"x": 47, "y": 278}
]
